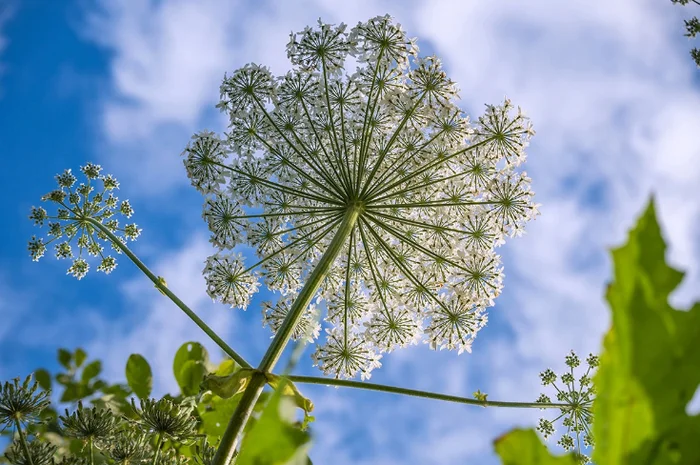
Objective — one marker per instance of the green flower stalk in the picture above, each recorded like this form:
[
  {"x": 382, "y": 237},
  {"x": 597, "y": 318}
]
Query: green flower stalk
[{"x": 379, "y": 165}]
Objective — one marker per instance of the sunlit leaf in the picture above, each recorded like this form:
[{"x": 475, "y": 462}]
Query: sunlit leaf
[
  {"x": 139, "y": 376},
  {"x": 189, "y": 351},
  {"x": 650, "y": 365},
  {"x": 274, "y": 440},
  {"x": 191, "y": 376},
  {"x": 524, "y": 447},
  {"x": 79, "y": 357},
  {"x": 289, "y": 389},
  {"x": 91, "y": 370},
  {"x": 229, "y": 385}
]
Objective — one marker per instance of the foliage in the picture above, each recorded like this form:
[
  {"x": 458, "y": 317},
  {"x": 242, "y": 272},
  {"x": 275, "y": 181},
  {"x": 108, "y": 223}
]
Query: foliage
[
  {"x": 373, "y": 195},
  {"x": 110, "y": 429},
  {"x": 650, "y": 364}
]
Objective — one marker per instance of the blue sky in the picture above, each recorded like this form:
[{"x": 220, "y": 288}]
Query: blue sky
[{"x": 610, "y": 88}]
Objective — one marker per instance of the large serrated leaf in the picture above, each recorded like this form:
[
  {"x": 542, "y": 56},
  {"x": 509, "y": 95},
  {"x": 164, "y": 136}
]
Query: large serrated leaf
[{"x": 650, "y": 365}]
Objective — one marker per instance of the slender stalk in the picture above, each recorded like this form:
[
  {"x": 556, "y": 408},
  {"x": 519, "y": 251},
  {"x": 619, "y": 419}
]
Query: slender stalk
[
  {"x": 159, "y": 444},
  {"x": 416, "y": 393},
  {"x": 92, "y": 451},
  {"x": 229, "y": 441},
  {"x": 193, "y": 316},
  {"x": 23, "y": 442}
]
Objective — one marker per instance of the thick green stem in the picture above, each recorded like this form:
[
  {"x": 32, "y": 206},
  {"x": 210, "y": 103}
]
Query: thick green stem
[
  {"x": 229, "y": 441},
  {"x": 416, "y": 393},
  {"x": 160, "y": 286},
  {"x": 23, "y": 442}
]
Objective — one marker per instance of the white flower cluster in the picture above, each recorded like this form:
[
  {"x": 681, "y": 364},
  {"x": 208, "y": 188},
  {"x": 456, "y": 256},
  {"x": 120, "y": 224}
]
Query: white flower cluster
[
  {"x": 436, "y": 194},
  {"x": 77, "y": 205}
]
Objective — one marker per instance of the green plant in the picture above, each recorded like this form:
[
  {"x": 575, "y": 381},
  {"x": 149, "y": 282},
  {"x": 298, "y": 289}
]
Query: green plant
[
  {"x": 371, "y": 194},
  {"x": 649, "y": 367},
  {"x": 369, "y": 198}
]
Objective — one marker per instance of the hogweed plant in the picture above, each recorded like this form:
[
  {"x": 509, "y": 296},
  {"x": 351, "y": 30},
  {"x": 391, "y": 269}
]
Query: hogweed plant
[{"x": 368, "y": 196}]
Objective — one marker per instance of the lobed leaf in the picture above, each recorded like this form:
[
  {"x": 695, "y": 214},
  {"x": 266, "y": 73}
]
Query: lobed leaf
[{"x": 650, "y": 364}]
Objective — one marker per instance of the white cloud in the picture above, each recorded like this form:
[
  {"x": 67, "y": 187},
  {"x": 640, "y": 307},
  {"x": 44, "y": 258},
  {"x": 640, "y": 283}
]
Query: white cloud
[
  {"x": 168, "y": 59},
  {"x": 609, "y": 86}
]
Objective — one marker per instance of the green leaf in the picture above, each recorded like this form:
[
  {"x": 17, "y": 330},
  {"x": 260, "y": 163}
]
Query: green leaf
[
  {"x": 650, "y": 365},
  {"x": 114, "y": 397},
  {"x": 524, "y": 447},
  {"x": 289, "y": 389},
  {"x": 229, "y": 385},
  {"x": 91, "y": 370},
  {"x": 226, "y": 367},
  {"x": 189, "y": 351},
  {"x": 75, "y": 392},
  {"x": 138, "y": 375},
  {"x": 215, "y": 413},
  {"x": 43, "y": 378},
  {"x": 273, "y": 440},
  {"x": 191, "y": 376},
  {"x": 64, "y": 379},
  {"x": 64, "y": 358},
  {"x": 79, "y": 356}
]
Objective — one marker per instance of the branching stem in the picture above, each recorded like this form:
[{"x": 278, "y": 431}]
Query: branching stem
[{"x": 160, "y": 286}]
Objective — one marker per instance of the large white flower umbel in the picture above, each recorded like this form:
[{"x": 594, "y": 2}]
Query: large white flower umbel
[{"x": 370, "y": 192}]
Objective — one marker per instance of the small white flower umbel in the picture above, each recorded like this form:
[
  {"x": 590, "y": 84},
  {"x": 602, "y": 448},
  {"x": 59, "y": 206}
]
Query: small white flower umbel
[
  {"x": 370, "y": 191},
  {"x": 78, "y": 207}
]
